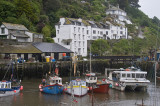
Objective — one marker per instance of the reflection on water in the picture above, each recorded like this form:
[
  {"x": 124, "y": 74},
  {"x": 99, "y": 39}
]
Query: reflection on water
[{"x": 31, "y": 96}]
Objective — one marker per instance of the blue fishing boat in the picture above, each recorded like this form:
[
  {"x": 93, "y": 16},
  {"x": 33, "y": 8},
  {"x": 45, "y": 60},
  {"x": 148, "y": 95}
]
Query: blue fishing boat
[
  {"x": 10, "y": 87},
  {"x": 52, "y": 85}
]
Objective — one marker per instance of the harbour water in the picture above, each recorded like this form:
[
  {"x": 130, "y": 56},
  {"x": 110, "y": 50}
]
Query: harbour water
[{"x": 30, "y": 96}]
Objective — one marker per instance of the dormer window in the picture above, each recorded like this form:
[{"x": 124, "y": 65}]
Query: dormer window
[{"x": 2, "y": 30}]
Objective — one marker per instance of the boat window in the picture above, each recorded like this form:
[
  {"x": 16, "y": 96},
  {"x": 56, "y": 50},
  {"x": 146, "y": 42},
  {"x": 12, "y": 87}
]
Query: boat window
[
  {"x": 56, "y": 81},
  {"x": 128, "y": 75},
  {"x": 133, "y": 75},
  {"x": 142, "y": 76},
  {"x": 2, "y": 85},
  {"x": 123, "y": 75},
  {"x": 137, "y": 75},
  {"x": 9, "y": 85}
]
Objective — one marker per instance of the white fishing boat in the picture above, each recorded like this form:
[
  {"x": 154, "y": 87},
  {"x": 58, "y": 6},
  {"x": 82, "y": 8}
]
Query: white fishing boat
[
  {"x": 76, "y": 87},
  {"x": 10, "y": 87},
  {"x": 131, "y": 78}
]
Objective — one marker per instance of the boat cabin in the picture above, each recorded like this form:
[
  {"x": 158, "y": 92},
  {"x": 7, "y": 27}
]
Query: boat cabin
[
  {"x": 91, "y": 78},
  {"x": 55, "y": 80},
  {"x": 127, "y": 75},
  {"x": 5, "y": 84},
  {"x": 78, "y": 82}
]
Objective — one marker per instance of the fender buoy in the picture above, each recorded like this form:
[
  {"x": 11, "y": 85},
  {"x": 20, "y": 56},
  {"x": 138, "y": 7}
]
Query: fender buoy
[{"x": 21, "y": 88}]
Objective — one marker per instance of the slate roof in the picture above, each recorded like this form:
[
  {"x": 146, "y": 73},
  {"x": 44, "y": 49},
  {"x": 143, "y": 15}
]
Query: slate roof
[
  {"x": 18, "y": 35},
  {"x": 14, "y": 26},
  {"x": 19, "y": 49},
  {"x": 51, "y": 47}
]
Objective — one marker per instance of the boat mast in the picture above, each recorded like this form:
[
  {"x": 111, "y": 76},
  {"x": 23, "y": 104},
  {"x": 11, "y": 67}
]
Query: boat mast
[
  {"x": 155, "y": 69},
  {"x": 90, "y": 57}
]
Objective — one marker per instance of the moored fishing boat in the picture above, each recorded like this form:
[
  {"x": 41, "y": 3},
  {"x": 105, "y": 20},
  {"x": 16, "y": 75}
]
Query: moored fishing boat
[
  {"x": 52, "y": 85},
  {"x": 77, "y": 88},
  {"x": 10, "y": 87},
  {"x": 98, "y": 86},
  {"x": 101, "y": 86}
]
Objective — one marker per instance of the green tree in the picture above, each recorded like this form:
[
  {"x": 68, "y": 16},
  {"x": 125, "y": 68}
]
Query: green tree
[
  {"x": 49, "y": 39},
  {"x": 25, "y": 6},
  {"x": 123, "y": 47},
  {"x": 7, "y": 10},
  {"x": 46, "y": 31},
  {"x": 123, "y": 3},
  {"x": 100, "y": 47}
]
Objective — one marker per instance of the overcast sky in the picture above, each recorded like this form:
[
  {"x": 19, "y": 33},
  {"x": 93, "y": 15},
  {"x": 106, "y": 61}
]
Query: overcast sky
[{"x": 150, "y": 7}]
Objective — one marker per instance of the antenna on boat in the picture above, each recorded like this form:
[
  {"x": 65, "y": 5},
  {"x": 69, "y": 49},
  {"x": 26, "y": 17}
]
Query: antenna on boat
[
  {"x": 90, "y": 57},
  {"x": 155, "y": 57},
  {"x": 7, "y": 70}
]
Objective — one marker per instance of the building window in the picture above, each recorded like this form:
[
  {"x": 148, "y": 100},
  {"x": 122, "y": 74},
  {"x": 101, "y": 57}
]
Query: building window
[
  {"x": 94, "y": 37},
  {"x": 58, "y": 26},
  {"x": 94, "y": 32},
  {"x": 87, "y": 31},
  {"x": 83, "y": 50},
  {"x": 106, "y": 32},
  {"x": 75, "y": 43},
  {"x": 74, "y": 36},
  {"x": 79, "y": 43},
  {"x": 79, "y": 36},
  {"x": 2, "y": 30},
  {"x": 58, "y": 39},
  {"x": 101, "y": 33},
  {"x": 83, "y": 37},
  {"x": 121, "y": 32},
  {"x": 57, "y": 31},
  {"x": 82, "y": 30},
  {"x": 83, "y": 44},
  {"x": 121, "y": 27},
  {"x": 79, "y": 51},
  {"x": 98, "y": 32},
  {"x": 74, "y": 29},
  {"x": 78, "y": 29},
  {"x": 67, "y": 43}
]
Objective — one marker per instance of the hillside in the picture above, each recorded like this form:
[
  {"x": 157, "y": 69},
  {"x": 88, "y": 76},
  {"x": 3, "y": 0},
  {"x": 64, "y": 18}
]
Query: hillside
[{"x": 41, "y": 16}]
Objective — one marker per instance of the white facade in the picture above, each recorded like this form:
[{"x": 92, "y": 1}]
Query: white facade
[
  {"x": 119, "y": 13},
  {"x": 74, "y": 33}
]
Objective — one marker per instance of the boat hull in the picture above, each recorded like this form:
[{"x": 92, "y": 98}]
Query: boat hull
[
  {"x": 53, "y": 89},
  {"x": 130, "y": 86},
  {"x": 8, "y": 92},
  {"x": 101, "y": 88},
  {"x": 77, "y": 91}
]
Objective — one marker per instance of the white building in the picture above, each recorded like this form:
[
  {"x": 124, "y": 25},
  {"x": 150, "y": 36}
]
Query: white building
[
  {"x": 118, "y": 13},
  {"x": 74, "y": 33},
  {"x": 19, "y": 33}
]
